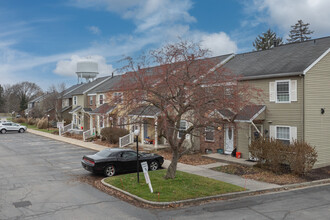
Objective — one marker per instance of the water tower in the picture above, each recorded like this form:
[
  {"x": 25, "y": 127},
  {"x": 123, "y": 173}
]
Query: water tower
[{"x": 87, "y": 70}]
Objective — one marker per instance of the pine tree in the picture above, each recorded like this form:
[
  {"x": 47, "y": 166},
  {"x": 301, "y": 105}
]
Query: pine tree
[
  {"x": 267, "y": 40},
  {"x": 299, "y": 32}
]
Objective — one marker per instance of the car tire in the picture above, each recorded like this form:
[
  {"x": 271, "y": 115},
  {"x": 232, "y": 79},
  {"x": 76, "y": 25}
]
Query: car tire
[
  {"x": 3, "y": 131},
  {"x": 110, "y": 170},
  {"x": 21, "y": 130},
  {"x": 154, "y": 165}
]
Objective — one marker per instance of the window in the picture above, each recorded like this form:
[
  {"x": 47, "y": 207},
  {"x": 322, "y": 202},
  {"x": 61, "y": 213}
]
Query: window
[
  {"x": 75, "y": 119},
  {"x": 118, "y": 97},
  {"x": 183, "y": 127},
  {"x": 101, "y": 99},
  {"x": 209, "y": 134},
  {"x": 74, "y": 100},
  {"x": 283, "y": 91},
  {"x": 283, "y": 134},
  {"x": 101, "y": 121},
  {"x": 91, "y": 100}
]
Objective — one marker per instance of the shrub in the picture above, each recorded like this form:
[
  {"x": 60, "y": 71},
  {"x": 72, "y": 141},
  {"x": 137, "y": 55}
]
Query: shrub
[
  {"x": 42, "y": 124},
  {"x": 302, "y": 157},
  {"x": 269, "y": 152},
  {"x": 31, "y": 121},
  {"x": 20, "y": 120},
  {"x": 112, "y": 135},
  {"x": 273, "y": 154}
]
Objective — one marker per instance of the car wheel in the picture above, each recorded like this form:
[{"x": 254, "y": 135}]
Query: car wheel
[
  {"x": 3, "y": 131},
  {"x": 21, "y": 130},
  {"x": 110, "y": 170},
  {"x": 154, "y": 165}
]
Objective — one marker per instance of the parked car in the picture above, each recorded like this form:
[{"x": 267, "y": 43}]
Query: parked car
[
  {"x": 113, "y": 160},
  {"x": 10, "y": 126}
]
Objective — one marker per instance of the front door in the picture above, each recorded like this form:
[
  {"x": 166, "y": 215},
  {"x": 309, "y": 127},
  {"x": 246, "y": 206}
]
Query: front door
[
  {"x": 229, "y": 139},
  {"x": 145, "y": 129}
]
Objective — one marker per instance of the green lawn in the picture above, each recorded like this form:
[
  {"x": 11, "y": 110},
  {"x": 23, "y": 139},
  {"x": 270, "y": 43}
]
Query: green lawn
[{"x": 184, "y": 186}]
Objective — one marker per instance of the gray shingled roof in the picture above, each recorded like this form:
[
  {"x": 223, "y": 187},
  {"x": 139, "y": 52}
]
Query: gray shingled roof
[
  {"x": 149, "y": 110},
  {"x": 249, "y": 112},
  {"x": 288, "y": 58},
  {"x": 103, "y": 109},
  {"x": 107, "y": 85},
  {"x": 86, "y": 86}
]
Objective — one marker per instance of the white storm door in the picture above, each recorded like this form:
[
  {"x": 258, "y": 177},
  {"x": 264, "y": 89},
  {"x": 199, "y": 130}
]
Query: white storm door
[{"x": 229, "y": 139}]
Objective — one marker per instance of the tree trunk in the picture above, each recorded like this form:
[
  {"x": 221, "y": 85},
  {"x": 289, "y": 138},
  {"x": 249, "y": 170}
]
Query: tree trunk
[{"x": 171, "y": 170}]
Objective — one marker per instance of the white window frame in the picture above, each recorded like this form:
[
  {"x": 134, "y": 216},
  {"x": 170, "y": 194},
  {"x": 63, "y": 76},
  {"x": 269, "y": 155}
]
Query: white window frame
[
  {"x": 282, "y": 126},
  {"x": 74, "y": 100},
  {"x": 90, "y": 100},
  {"x": 186, "y": 127},
  {"x": 279, "y": 81},
  {"x": 115, "y": 96},
  {"x": 101, "y": 95},
  {"x": 209, "y": 129}
]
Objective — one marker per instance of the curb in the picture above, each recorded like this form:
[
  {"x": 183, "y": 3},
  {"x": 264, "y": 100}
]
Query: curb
[{"x": 223, "y": 196}]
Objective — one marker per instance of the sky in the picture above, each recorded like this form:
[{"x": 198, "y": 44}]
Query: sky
[{"x": 42, "y": 41}]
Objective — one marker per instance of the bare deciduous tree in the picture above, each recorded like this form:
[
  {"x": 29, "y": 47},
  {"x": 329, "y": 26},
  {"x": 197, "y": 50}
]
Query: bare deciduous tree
[{"x": 185, "y": 85}]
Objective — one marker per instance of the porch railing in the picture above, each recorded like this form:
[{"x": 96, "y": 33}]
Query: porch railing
[
  {"x": 126, "y": 140},
  {"x": 88, "y": 134},
  {"x": 64, "y": 129}
]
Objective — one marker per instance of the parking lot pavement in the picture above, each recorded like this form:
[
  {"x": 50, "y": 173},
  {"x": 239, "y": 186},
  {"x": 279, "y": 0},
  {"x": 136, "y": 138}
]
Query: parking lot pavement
[{"x": 39, "y": 181}]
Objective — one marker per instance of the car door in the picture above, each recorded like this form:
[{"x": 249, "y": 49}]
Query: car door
[
  {"x": 129, "y": 161},
  {"x": 14, "y": 127},
  {"x": 8, "y": 126}
]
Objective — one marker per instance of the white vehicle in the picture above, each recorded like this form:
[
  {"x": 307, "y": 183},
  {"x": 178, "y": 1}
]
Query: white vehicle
[{"x": 10, "y": 126}]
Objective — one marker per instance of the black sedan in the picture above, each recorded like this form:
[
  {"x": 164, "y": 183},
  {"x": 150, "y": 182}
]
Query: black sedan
[{"x": 113, "y": 160}]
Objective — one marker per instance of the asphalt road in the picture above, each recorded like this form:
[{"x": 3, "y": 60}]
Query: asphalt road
[{"x": 38, "y": 180}]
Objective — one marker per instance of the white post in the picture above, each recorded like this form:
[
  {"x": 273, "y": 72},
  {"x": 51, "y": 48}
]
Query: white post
[
  {"x": 91, "y": 124},
  {"x": 98, "y": 124},
  {"x": 142, "y": 133},
  {"x": 156, "y": 133},
  {"x": 108, "y": 124}
]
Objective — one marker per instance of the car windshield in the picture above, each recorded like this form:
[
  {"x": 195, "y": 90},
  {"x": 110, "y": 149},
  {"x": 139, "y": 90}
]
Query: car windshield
[{"x": 104, "y": 153}]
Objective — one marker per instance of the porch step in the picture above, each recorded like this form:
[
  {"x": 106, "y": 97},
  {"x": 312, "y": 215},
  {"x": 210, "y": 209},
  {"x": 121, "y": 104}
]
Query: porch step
[{"x": 229, "y": 159}]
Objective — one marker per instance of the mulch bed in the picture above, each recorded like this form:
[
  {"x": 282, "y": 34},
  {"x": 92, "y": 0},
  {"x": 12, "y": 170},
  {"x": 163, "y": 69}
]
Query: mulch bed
[{"x": 268, "y": 176}]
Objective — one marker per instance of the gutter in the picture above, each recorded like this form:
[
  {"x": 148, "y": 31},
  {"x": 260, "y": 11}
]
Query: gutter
[{"x": 271, "y": 76}]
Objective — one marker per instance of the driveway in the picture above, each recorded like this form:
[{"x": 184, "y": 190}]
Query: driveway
[{"x": 38, "y": 180}]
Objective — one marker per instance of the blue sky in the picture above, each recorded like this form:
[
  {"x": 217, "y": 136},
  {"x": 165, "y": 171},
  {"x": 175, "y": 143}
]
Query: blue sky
[{"x": 41, "y": 41}]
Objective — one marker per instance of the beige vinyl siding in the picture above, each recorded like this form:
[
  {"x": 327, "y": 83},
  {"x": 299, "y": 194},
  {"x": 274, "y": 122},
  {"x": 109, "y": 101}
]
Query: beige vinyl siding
[
  {"x": 317, "y": 96},
  {"x": 285, "y": 114},
  {"x": 243, "y": 139},
  {"x": 80, "y": 101}
]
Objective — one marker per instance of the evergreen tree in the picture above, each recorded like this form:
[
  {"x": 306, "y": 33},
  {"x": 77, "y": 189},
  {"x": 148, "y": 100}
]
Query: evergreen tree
[
  {"x": 267, "y": 40},
  {"x": 299, "y": 32}
]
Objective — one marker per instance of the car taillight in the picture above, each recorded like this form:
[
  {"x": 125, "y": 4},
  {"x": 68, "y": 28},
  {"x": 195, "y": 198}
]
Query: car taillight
[{"x": 89, "y": 161}]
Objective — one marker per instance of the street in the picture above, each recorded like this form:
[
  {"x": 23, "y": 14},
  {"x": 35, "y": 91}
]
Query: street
[{"x": 39, "y": 180}]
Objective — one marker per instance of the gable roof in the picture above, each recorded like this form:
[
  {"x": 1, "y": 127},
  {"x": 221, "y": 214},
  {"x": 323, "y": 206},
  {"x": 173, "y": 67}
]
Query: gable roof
[
  {"x": 108, "y": 85},
  {"x": 290, "y": 59},
  {"x": 145, "y": 111},
  {"x": 249, "y": 113},
  {"x": 103, "y": 109},
  {"x": 82, "y": 88}
]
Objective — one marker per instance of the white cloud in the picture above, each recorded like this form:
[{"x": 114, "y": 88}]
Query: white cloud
[
  {"x": 284, "y": 13},
  {"x": 69, "y": 67},
  {"x": 218, "y": 43},
  {"x": 94, "y": 30}
]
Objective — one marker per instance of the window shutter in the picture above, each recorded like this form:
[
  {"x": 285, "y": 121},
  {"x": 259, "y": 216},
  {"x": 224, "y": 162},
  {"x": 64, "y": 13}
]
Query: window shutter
[
  {"x": 272, "y": 92},
  {"x": 272, "y": 131},
  {"x": 293, "y": 134},
  {"x": 293, "y": 88}
]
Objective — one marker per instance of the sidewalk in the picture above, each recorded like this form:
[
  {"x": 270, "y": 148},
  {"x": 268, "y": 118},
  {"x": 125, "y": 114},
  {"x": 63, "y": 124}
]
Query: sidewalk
[{"x": 198, "y": 170}]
